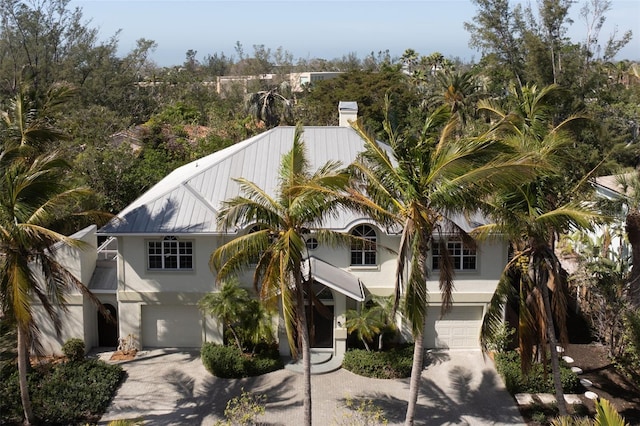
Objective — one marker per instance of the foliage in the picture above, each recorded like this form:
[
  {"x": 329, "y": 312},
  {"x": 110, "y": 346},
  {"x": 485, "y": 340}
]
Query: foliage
[
  {"x": 374, "y": 318},
  {"x": 62, "y": 394},
  {"x": 243, "y": 409},
  {"x": 606, "y": 415},
  {"x": 230, "y": 362},
  {"x": 535, "y": 381},
  {"x": 126, "y": 422},
  {"x": 391, "y": 364},
  {"x": 362, "y": 413},
  {"x": 318, "y": 104},
  {"x": 38, "y": 206},
  {"x": 500, "y": 338},
  {"x": 74, "y": 349},
  {"x": 243, "y": 316}
]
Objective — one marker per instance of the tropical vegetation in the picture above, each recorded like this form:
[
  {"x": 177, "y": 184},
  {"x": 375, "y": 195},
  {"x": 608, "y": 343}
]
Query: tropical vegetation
[
  {"x": 276, "y": 246},
  {"x": 70, "y": 392},
  {"x": 131, "y": 122}
]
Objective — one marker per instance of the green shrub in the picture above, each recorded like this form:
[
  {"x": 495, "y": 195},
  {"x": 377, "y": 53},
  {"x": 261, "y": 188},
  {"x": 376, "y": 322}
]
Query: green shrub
[
  {"x": 68, "y": 393},
  {"x": 74, "y": 349},
  {"x": 229, "y": 362},
  {"x": 392, "y": 364},
  {"x": 243, "y": 409},
  {"x": 508, "y": 365}
]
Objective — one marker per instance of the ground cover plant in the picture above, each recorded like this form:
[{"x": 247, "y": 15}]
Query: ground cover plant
[
  {"x": 65, "y": 393},
  {"x": 392, "y": 364}
]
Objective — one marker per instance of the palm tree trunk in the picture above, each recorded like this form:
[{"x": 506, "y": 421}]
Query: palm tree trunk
[
  {"x": 632, "y": 226},
  {"x": 303, "y": 330},
  {"x": 555, "y": 363},
  {"x": 416, "y": 374},
  {"x": 23, "y": 359}
]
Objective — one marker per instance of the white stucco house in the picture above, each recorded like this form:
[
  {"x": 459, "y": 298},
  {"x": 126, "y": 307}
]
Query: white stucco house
[{"x": 156, "y": 269}]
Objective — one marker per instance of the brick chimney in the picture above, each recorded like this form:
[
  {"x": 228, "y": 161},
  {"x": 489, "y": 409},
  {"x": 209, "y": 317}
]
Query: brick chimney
[{"x": 347, "y": 111}]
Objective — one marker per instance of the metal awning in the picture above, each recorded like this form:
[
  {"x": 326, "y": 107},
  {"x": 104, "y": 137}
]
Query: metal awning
[{"x": 334, "y": 278}]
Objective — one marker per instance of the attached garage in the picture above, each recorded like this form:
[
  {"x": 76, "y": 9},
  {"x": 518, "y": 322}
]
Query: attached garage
[
  {"x": 172, "y": 326},
  {"x": 458, "y": 329}
]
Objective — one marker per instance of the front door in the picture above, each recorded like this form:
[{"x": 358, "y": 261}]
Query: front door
[{"x": 320, "y": 317}]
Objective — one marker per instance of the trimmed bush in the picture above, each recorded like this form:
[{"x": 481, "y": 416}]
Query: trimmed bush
[
  {"x": 230, "y": 363},
  {"x": 508, "y": 365},
  {"x": 62, "y": 394},
  {"x": 392, "y": 364},
  {"x": 74, "y": 349}
]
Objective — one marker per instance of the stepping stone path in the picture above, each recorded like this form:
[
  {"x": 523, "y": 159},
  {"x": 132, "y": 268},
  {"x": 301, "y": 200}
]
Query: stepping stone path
[{"x": 548, "y": 399}]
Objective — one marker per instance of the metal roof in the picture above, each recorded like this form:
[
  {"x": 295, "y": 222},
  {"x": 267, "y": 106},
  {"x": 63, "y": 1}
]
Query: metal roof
[
  {"x": 335, "y": 278},
  {"x": 187, "y": 200},
  {"x": 612, "y": 185}
]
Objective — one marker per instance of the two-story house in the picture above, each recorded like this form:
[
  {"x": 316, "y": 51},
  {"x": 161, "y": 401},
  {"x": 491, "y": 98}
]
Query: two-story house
[{"x": 165, "y": 238}]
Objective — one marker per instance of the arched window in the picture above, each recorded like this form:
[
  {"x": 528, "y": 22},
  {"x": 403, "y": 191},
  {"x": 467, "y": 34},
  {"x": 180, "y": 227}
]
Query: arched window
[{"x": 363, "y": 250}]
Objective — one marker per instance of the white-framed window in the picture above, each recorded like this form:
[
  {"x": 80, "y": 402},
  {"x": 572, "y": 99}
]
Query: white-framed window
[
  {"x": 170, "y": 254},
  {"x": 363, "y": 251},
  {"x": 464, "y": 258}
]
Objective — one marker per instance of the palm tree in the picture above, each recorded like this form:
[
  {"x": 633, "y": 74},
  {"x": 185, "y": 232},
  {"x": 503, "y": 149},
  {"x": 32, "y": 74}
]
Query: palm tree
[
  {"x": 302, "y": 201},
  {"x": 270, "y": 107},
  {"x": 531, "y": 216},
  {"x": 229, "y": 306},
  {"x": 36, "y": 202},
  {"x": 421, "y": 185},
  {"x": 365, "y": 323}
]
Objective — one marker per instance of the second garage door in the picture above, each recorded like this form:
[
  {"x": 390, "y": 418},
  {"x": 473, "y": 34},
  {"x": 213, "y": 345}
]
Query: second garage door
[
  {"x": 171, "y": 326},
  {"x": 459, "y": 329}
]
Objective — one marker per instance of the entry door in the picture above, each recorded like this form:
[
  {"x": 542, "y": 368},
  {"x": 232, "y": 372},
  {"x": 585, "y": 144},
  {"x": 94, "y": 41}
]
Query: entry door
[{"x": 108, "y": 330}]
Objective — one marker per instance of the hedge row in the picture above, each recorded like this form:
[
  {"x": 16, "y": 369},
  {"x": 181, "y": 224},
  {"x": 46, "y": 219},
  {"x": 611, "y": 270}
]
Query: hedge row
[
  {"x": 229, "y": 362},
  {"x": 392, "y": 364}
]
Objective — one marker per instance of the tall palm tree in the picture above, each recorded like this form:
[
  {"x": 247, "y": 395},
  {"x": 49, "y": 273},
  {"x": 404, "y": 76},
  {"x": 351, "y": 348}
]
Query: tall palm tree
[
  {"x": 421, "y": 185},
  {"x": 303, "y": 200},
  {"x": 36, "y": 202},
  {"x": 532, "y": 215}
]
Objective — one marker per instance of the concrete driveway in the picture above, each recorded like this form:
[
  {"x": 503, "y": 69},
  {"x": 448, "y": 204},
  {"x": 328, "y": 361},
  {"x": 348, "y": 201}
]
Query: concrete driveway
[{"x": 167, "y": 387}]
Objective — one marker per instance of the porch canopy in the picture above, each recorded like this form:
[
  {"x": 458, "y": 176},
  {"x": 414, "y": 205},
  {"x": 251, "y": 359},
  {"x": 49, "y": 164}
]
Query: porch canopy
[{"x": 334, "y": 278}]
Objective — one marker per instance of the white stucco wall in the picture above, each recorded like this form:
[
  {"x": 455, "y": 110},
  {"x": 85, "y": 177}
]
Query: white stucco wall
[
  {"x": 138, "y": 286},
  {"x": 76, "y": 320}
]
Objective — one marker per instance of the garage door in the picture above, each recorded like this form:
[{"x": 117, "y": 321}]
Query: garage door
[
  {"x": 459, "y": 329},
  {"x": 171, "y": 326}
]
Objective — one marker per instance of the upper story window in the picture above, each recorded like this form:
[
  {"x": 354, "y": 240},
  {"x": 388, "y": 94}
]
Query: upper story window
[
  {"x": 363, "y": 251},
  {"x": 463, "y": 257},
  {"x": 170, "y": 253},
  {"x": 311, "y": 243}
]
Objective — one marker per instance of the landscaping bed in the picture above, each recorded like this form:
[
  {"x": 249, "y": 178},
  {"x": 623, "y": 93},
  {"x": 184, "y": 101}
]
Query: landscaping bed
[
  {"x": 62, "y": 392},
  {"x": 608, "y": 382}
]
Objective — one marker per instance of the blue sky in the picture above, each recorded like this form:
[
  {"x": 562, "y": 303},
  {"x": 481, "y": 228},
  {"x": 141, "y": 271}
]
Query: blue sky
[{"x": 313, "y": 29}]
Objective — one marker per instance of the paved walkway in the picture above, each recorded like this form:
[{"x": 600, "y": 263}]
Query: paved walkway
[{"x": 173, "y": 388}]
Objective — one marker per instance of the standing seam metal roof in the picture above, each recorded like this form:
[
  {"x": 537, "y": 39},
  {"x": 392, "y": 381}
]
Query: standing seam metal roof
[{"x": 187, "y": 200}]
